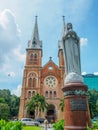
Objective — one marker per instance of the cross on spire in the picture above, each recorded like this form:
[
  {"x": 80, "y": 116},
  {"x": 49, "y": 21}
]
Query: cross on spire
[
  {"x": 63, "y": 18},
  {"x": 36, "y": 18},
  {"x": 50, "y": 58}
]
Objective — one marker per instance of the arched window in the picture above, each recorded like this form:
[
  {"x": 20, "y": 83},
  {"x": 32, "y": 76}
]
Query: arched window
[
  {"x": 33, "y": 93},
  {"x": 29, "y": 94},
  {"x": 34, "y": 82},
  {"x": 30, "y": 82},
  {"x": 31, "y": 58},
  {"x": 34, "y": 43},
  {"x": 50, "y": 94},
  {"x": 46, "y": 94},
  {"x": 35, "y": 58},
  {"x": 54, "y": 94}
]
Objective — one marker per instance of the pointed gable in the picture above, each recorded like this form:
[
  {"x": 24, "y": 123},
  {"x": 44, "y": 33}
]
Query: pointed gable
[{"x": 50, "y": 68}]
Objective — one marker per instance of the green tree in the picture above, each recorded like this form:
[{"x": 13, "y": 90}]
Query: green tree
[
  {"x": 97, "y": 105},
  {"x": 5, "y": 93},
  {"x": 37, "y": 104},
  {"x": 93, "y": 105},
  {"x": 14, "y": 105},
  {"x": 2, "y": 100},
  {"x": 4, "y": 111},
  {"x": 11, "y": 100}
]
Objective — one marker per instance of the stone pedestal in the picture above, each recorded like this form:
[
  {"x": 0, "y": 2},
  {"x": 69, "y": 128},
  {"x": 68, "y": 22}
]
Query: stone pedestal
[{"x": 77, "y": 115}]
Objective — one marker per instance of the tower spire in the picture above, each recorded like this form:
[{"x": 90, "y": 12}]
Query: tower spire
[
  {"x": 64, "y": 27},
  {"x": 64, "y": 30},
  {"x": 35, "y": 42},
  {"x": 36, "y": 33}
]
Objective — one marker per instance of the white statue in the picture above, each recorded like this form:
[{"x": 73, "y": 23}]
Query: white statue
[{"x": 71, "y": 48}]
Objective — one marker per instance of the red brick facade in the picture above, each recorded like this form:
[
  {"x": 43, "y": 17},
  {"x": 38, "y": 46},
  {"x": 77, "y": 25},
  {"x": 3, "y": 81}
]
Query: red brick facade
[{"x": 46, "y": 80}]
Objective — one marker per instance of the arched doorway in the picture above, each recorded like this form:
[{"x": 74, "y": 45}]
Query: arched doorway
[
  {"x": 32, "y": 114},
  {"x": 51, "y": 113}
]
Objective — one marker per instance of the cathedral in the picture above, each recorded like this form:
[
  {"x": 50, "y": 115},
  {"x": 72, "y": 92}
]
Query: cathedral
[{"x": 46, "y": 80}]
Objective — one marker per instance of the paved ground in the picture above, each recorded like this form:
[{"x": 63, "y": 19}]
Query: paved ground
[{"x": 48, "y": 128}]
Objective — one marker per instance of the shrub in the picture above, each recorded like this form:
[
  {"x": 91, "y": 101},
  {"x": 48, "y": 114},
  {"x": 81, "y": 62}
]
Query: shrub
[
  {"x": 94, "y": 126},
  {"x": 59, "y": 125},
  {"x": 10, "y": 125}
]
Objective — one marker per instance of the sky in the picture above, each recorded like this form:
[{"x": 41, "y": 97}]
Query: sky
[{"x": 17, "y": 18}]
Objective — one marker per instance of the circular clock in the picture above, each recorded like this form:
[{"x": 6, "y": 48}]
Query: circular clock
[{"x": 50, "y": 81}]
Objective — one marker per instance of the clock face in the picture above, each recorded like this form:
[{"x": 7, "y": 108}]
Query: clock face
[{"x": 50, "y": 81}]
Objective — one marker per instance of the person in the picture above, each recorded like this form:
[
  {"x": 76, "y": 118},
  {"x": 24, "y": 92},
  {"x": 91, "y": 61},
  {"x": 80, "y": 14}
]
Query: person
[{"x": 45, "y": 123}]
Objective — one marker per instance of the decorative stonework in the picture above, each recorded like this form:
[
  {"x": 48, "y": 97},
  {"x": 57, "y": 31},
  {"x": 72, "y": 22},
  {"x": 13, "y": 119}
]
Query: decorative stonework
[
  {"x": 75, "y": 92},
  {"x": 50, "y": 81},
  {"x": 73, "y": 77},
  {"x": 32, "y": 75}
]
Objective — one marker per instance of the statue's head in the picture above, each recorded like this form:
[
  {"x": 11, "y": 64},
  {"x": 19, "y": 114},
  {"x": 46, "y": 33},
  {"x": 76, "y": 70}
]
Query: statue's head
[{"x": 69, "y": 26}]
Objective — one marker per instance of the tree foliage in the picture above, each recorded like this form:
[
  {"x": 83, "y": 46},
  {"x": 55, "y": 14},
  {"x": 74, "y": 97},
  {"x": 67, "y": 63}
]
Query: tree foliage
[
  {"x": 37, "y": 104},
  {"x": 4, "y": 111},
  {"x": 9, "y": 104},
  {"x": 10, "y": 125},
  {"x": 93, "y": 102},
  {"x": 5, "y": 94},
  {"x": 62, "y": 104},
  {"x": 59, "y": 125},
  {"x": 14, "y": 105}
]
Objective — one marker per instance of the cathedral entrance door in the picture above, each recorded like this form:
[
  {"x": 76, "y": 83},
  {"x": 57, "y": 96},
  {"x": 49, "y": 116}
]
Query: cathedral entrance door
[
  {"x": 32, "y": 114},
  {"x": 51, "y": 113}
]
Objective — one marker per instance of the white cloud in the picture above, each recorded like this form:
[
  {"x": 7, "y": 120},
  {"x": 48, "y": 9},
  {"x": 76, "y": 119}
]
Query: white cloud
[
  {"x": 17, "y": 91},
  {"x": 19, "y": 56},
  {"x": 84, "y": 73},
  {"x": 9, "y": 34},
  {"x": 4, "y": 67},
  {"x": 83, "y": 41},
  {"x": 95, "y": 73}
]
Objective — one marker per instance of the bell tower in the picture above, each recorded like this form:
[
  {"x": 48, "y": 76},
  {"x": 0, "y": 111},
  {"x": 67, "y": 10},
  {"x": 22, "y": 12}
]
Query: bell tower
[
  {"x": 34, "y": 50},
  {"x": 32, "y": 71}
]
